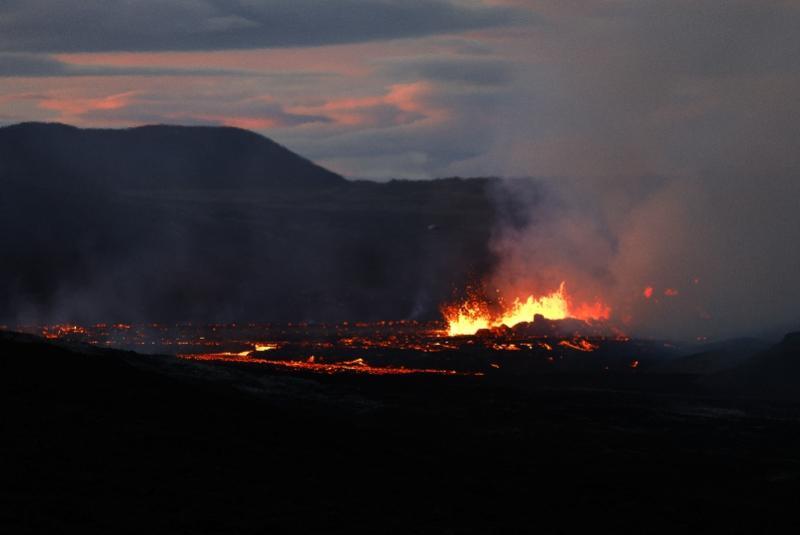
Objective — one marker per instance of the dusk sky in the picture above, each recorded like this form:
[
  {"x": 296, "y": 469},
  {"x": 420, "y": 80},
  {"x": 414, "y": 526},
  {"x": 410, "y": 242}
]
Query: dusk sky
[{"x": 427, "y": 88}]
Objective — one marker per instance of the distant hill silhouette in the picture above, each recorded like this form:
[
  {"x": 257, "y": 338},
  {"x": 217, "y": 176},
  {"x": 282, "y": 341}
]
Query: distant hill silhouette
[
  {"x": 771, "y": 373},
  {"x": 716, "y": 357},
  {"x": 156, "y": 157},
  {"x": 166, "y": 223}
]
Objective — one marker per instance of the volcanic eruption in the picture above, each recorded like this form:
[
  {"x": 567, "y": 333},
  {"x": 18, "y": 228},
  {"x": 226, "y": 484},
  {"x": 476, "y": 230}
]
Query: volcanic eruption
[{"x": 471, "y": 316}]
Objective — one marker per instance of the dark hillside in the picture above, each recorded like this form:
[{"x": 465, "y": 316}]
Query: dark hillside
[
  {"x": 771, "y": 373},
  {"x": 218, "y": 224},
  {"x": 154, "y": 158}
]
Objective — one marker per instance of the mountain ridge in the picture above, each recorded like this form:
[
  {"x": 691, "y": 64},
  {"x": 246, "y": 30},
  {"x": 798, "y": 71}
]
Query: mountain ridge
[{"x": 157, "y": 157}]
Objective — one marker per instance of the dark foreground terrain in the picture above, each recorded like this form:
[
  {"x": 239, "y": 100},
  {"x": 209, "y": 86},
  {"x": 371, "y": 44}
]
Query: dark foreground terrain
[{"x": 101, "y": 441}]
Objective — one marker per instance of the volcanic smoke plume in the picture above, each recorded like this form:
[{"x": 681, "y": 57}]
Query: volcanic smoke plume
[{"x": 680, "y": 258}]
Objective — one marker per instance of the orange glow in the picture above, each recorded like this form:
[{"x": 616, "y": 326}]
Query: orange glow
[
  {"x": 56, "y": 332},
  {"x": 358, "y": 365},
  {"x": 67, "y": 106},
  {"x": 467, "y": 318},
  {"x": 579, "y": 344},
  {"x": 553, "y": 306},
  {"x": 343, "y": 347},
  {"x": 473, "y": 315},
  {"x": 590, "y": 311}
]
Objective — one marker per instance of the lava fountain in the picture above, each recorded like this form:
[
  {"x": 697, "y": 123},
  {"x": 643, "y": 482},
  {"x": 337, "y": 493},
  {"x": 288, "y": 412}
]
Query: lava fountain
[{"x": 474, "y": 314}]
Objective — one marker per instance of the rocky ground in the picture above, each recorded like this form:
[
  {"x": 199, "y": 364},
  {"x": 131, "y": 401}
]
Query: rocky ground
[{"x": 101, "y": 441}]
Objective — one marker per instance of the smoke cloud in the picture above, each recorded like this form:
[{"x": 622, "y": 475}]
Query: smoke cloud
[
  {"x": 721, "y": 258},
  {"x": 669, "y": 136}
]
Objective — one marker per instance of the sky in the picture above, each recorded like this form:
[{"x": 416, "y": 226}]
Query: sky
[{"x": 424, "y": 88}]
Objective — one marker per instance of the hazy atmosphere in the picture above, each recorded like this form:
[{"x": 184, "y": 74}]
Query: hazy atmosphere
[{"x": 666, "y": 132}]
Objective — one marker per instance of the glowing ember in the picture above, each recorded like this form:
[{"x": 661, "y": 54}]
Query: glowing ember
[
  {"x": 648, "y": 292},
  {"x": 473, "y": 315},
  {"x": 60, "y": 331}
]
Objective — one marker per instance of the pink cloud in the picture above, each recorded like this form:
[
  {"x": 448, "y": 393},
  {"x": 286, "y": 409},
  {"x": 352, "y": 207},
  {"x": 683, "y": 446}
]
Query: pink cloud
[
  {"x": 402, "y": 104},
  {"x": 70, "y": 107}
]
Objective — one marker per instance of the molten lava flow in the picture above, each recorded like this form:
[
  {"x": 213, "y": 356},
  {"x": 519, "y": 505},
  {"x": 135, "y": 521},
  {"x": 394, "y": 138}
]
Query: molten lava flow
[
  {"x": 473, "y": 315},
  {"x": 310, "y": 364},
  {"x": 579, "y": 344}
]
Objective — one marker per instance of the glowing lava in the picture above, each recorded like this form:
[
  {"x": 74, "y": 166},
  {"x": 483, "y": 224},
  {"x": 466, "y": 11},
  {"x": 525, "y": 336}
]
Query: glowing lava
[
  {"x": 474, "y": 315},
  {"x": 357, "y": 365}
]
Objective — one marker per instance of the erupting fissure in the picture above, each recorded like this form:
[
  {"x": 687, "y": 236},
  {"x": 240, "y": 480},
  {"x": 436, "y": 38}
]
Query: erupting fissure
[{"x": 474, "y": 314}]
